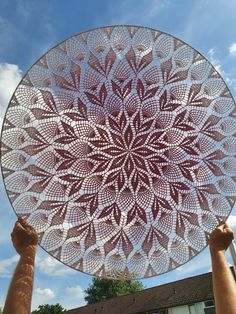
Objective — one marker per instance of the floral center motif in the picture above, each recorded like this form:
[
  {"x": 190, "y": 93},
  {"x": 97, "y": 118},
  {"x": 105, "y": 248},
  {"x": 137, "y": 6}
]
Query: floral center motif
[{"x": 125, "y": 149}]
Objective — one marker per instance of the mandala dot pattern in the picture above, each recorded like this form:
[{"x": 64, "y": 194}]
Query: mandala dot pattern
[{"x": 118, "y": 147}]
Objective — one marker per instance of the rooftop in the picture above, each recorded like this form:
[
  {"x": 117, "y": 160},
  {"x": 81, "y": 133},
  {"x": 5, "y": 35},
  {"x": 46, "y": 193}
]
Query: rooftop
[{"x": 187, "y": 291}]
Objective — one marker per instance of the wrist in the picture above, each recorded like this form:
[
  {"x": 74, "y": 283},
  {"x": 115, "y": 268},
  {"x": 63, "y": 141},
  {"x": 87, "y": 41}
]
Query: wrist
[
  {"x": 29, "y": 251},
  {"x": 217, "y": 250},
  {"x": 218, "y": 257}
]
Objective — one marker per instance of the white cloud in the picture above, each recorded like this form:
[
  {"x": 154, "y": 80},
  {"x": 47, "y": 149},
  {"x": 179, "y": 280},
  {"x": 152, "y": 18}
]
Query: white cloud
[
  {"x": 46, "y": 293},
  {"x": 42, "y": 296},
  {"x": 6, "y": 264},
  {"x": 232, "y": 49},
  {"x": 214, "y": 60},
  {"x": 73, "y": 295},
  {"x": 75, "y": 292},
  {"x": 50, "y": 266},
  {"x": 74, "y": 299},
  {"x": 229, "y": 79},
  {"x": 10, "y": 75}
]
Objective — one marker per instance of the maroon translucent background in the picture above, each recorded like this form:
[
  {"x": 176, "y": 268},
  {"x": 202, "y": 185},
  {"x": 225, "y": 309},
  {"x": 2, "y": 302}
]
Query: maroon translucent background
[{"x": 118, "y": 147}]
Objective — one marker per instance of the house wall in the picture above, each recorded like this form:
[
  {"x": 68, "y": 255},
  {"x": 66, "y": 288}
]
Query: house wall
[
  {"x": 183, "y": 309},
  {"x": 196, "y": 308},
  {"x": 199, "y": 308}
]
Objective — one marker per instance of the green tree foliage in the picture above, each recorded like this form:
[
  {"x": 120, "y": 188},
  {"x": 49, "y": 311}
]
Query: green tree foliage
[
  {"x": 103, "y": 289},
  {"x": 49, "y": 309}
]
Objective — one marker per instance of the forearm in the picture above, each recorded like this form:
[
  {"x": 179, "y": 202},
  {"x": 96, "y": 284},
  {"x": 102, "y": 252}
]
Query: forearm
[
  {"x": 224, "y": 286},
  {"x": 19, "y": 295}
]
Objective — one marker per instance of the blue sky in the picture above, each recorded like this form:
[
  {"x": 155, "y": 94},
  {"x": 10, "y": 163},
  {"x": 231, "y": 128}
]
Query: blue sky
[{"x": 28, "y": 28}]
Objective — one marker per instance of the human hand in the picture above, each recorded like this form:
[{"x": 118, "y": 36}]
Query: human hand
[
  {"x": 221, "y": 237},
  {"x": 23, "y": 236}
]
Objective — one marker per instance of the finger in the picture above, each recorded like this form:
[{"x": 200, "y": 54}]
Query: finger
[
  {"x": 23, "y": 223},
  {"x": 226, "y": 225},
  {"x": 16, "y": 223},
  {"x": 221, "y": 223},
  {"x": 30, "y": 229},
  {"x": 220, "y": 227},
  {"x": 229, "y": 231},
  {"x": 231, "y": 237},
  {"x": 18, "y": 227},
  {"x": 27, "y": 226}
]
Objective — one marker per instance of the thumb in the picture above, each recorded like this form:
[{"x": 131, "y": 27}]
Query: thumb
[
  {"x": 18, "y": 226},
  {"x": 221, "y": 225}
]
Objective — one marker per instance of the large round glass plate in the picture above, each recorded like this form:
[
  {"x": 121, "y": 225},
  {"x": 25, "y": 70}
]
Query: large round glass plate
[{"x": 118, "y": 146}]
